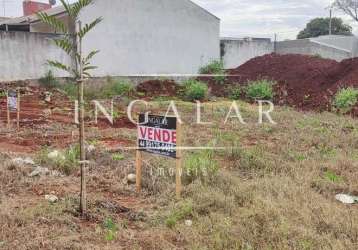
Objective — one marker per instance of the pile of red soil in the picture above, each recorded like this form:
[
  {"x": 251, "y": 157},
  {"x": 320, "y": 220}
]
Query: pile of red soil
[
  {"x": 344, "y": 74},
  {"x": 155, "y": 88},
  {"x": 304, "y": 82}
]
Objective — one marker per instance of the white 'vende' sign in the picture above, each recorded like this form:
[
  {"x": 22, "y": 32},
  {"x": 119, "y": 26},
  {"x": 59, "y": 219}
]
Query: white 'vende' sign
[{"x": 12, "y": 100}]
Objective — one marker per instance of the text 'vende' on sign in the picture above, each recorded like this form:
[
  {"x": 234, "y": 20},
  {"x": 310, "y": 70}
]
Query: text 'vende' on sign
[
  {"x": 158, "y": 135},
  {"x": 13, "y": 105},
  {"x": 12, "y": 100}
]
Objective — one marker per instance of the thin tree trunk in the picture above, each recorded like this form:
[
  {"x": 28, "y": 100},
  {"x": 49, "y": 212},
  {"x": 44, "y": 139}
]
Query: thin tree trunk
[{"x": 83, "y": 194}]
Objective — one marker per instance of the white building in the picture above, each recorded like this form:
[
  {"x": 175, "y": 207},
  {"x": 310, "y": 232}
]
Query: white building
[{"x": 136, "y": 37}]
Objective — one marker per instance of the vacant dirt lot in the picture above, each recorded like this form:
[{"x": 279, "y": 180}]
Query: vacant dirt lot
[{"x": 273, "y": 187}]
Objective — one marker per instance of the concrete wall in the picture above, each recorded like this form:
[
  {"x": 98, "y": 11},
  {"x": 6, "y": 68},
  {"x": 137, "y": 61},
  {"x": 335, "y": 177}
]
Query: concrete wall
[
  {"x": 235, "y": 52},
  {"x": 348, "y": 43},
  {"x": 330, "y": 52},
  {"x": 302, "y": 46},
  {"x": 24, "y": 55},
  {"x": 151, "y": 37},
  {"x": 4, "y": 18},
  {"x": 307, "y": 47}
]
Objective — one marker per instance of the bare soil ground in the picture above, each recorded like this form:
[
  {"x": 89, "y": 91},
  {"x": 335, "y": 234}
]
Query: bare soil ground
[{"x": 273, "y": 186}]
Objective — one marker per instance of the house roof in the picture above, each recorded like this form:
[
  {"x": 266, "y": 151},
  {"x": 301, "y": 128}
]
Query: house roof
[
  {"x": 4, "y": 18},
  {"x": 34, "y": 18},
  {"x": 245, "y": 38},
  {"x": 60, "y": 10},
  {"x": 202, "y": 8}
]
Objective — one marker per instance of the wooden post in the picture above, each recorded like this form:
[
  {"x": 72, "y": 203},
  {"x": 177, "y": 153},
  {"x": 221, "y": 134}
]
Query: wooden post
[
  {"x": 212, "y": 110},
  {"x": 7, "y": 109},
  {"x": 83, "y": 193},
  {"x": 138, "y": 167},
  {"x": 178, "y": 172},
  {"x": 96, "y": 114},
  {"x": 18, "y": 109}
]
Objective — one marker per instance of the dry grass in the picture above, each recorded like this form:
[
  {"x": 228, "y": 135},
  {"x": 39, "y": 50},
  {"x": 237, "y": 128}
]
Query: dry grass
[{"x": 274, "y": 189}]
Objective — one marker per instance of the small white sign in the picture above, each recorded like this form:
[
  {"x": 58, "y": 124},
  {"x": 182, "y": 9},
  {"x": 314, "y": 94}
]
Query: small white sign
[{"x": 12, "y": 100}]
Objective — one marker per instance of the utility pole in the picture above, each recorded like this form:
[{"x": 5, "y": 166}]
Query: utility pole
[
  {"x": 4, "y": 8},
  {"x": 275, "y": 44},
  {"x": 330, "y": 21}
]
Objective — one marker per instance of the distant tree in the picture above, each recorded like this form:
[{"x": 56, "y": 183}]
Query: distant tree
[
  {"x": 320, "y": 26},
  {"x": 349, "y": 7}
]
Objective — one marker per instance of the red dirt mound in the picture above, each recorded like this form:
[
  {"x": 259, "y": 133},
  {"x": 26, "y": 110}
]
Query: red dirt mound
[
  {"x": 155, "y": 88},
  {"x": 302, "y": 80},
  {"x": 344, "y": 74}
]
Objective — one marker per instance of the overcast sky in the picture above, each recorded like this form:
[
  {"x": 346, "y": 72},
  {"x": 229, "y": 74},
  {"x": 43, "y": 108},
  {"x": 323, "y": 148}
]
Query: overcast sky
[{"x": 240, "y": 18}]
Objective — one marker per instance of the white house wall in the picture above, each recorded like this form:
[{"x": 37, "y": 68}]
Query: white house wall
[
  {"x": 151, "y": 37},
  {"x": 24, "y": 55}
]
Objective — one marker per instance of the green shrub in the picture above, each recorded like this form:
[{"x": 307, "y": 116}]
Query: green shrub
[
  {"x": 117, "y": 157},
  {"x": 195, "y": 90},
  {"x": 260, "y": 90},
  {"x": 90, "y": 93},
  {"x": 71, "y": 89},
  {"x": 332, "y": 176},
  {"x": 181, "y": 212},
  {"x": 111, "y": 229},
  {"x": 220, "y": 78},
  {"x": 345, "y": 99},
  {"x": 109, "y": 90},
  {"x": 66, "y": 161},
  {"x": 317, "y": 56},
  {"x": 215, "y": 67},
  {"x": 48, "y": 81},
  {"x": 119, "y": 88},
  {"x": 236, "y": 93}
]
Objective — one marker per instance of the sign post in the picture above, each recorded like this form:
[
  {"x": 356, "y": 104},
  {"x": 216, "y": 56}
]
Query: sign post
[
  {"x": 7, "y": 110},
  {"x": 159, "y": 135},
  {"x": 178, "y": 162},
  {"x": 18, "y": 110},
  {"x": 12, "y": 105},
  {"x": 138, "y": 164}
]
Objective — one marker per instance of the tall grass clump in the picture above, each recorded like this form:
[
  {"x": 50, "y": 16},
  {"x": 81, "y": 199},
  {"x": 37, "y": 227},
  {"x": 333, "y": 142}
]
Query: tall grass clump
[
  {"x": 71, "y": 89},
  {"x": 200, "y": 165},
  {"x": 195, "y": 90},
  {"x": 111, "y": 229},
  {"x": 48, "y": 81},
  {"x": 236, "y": 93},
  {"x": 182, "y": 211},
  {"x": 345, "y": 99},
  {"x": 117, "y": 88},
  {"x": 65, "y": 161},
  {"x": 215, "y": 67},
  {"x": 260, "y": 90},
  {"x": 109, "y": 90}
]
